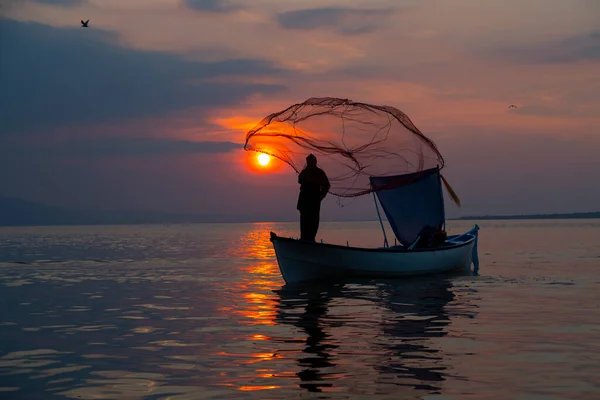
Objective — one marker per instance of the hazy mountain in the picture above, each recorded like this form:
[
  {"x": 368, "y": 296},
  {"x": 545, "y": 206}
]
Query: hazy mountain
[{"x": 19, "y": 212}]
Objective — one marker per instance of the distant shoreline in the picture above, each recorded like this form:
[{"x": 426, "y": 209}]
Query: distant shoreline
[
  {"x": 276, "y": 221},
  {"x": 19, "y": 212},
  {"x": 587, "y": 215}
]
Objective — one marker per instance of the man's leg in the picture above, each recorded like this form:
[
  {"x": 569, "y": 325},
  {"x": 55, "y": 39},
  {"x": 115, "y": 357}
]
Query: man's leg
[
  {"x": 314, "y": 225},
  {"x": 304, "y": 225}
]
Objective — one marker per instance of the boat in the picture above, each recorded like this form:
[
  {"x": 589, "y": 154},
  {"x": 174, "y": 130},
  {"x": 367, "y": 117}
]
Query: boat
[
  {"x": 378, "y": 150},
  {"x": 304, "y": 261},
  {"x": 301, "y": 261}
]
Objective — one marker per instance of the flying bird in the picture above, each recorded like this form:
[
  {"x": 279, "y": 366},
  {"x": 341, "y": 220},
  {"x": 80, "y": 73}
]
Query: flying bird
[
  {"x": 512, "y": 106},
  {"x": 85, "y": 24}
]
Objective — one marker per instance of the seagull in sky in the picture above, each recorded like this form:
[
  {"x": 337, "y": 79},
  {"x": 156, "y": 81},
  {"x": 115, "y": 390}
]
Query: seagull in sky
[
  {"x": 512, "y": 106},
  {"x": 85, "y": 24}
]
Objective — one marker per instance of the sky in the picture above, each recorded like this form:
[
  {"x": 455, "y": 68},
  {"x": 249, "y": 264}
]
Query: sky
[{"x": 148, "y": 108}]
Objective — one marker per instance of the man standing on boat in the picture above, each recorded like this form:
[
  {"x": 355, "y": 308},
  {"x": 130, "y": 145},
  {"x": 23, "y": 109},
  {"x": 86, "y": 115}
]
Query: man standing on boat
[{"x": 314, "y": 186}]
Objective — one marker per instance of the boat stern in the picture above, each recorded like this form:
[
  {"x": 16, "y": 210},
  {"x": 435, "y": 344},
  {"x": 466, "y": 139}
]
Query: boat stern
[{"x": 295, "y": 261}]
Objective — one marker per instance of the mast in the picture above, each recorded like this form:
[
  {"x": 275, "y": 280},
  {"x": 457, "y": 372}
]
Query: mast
[{"x": 385, "y": 241}]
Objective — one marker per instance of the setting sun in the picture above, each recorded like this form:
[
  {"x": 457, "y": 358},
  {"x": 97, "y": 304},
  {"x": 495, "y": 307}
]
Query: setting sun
[
  {"x": 263, "y": 163},
  {"x": 263, "y": 159}
]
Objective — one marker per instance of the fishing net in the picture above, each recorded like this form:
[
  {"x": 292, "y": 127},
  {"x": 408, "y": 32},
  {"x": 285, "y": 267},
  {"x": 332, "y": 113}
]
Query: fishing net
[{"x": 352, "y": 141}]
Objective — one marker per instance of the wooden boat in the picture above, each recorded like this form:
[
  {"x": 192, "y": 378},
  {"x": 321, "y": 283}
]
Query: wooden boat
[
  {"x": 301, "y": 261},
  {"x": 304, "y": 261}
]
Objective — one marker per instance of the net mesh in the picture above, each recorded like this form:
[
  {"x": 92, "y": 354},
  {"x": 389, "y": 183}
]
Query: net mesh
[{"x": 352, "y": 141}]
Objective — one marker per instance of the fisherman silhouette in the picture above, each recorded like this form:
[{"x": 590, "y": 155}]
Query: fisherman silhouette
[{"x": 314, "y": 186}]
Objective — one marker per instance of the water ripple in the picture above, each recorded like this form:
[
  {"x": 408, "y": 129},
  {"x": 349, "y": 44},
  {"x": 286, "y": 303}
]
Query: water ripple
[{"x": 190, "y": 319}]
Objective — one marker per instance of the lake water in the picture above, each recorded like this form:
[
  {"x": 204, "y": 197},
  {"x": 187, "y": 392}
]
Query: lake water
[{"x": 201, "y": 312}]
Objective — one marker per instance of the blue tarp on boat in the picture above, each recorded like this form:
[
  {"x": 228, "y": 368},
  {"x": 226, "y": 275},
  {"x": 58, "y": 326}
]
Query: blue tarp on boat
[{"x": 411, "y": 202}]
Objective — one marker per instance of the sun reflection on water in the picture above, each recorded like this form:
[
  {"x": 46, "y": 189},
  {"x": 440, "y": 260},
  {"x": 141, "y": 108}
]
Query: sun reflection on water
[
  {"x": 251, "y": 388},
  {"x": 261, "y": 277}
]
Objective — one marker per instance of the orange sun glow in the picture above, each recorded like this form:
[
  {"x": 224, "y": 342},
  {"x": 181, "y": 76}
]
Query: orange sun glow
[
  {"x": 263, "y": 159},
  {"x": 263, "y": 163}
]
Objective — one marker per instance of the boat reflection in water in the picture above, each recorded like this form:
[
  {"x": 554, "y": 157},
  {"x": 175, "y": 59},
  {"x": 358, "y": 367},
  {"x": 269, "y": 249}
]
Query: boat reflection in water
[
  {"x": 358, "y": 337},
  {"x": 316, "y": 356},
  {"x": 372, "y": 337}
]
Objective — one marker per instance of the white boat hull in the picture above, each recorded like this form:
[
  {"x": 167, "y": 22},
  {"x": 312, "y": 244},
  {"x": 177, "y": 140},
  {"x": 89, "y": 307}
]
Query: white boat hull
[{"x": 301, "y": 261}]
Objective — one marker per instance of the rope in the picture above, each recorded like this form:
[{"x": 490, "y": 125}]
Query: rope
[{"x": 385, "y": 241}]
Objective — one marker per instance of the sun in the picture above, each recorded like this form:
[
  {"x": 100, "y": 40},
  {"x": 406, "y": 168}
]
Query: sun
[
  {"x": 263, "y": 159},
  {"x": 260, "y": 162}
]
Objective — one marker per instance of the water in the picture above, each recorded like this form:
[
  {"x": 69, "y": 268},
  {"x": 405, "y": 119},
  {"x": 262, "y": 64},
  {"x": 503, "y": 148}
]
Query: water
[{"x": 200, "y": 311}]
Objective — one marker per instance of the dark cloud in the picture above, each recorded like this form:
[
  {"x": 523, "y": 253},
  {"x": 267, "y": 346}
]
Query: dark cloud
[
  {"x": 577, "y": 48},
  {"x": 115, "y": 147},
  {"x": 64, "y": 3},
  {"x": 346, "y": 21},
  {"x": 212, "y": 6},
  {"x": 584, "y": 47},
  {"x": 72, "y": 76}
]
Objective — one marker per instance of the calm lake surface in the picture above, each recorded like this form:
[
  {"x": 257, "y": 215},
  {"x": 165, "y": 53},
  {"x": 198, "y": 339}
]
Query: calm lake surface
[{"x": 201, "y": 312}]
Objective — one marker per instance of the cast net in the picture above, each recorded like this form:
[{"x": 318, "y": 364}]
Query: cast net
[{"x": 352, "y": 141}]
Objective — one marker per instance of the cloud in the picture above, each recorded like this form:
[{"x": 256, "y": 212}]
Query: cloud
[
  {"x": 117, "y": 147},
  {"x": 346, "y": 21},
  {"x": 212, "y": 6},
  {"x": 576, "y": 48},
  {"x": 64, "y": 3},
  {"x": 583, "y": 47},
  {"x": 71, "y": 76}
]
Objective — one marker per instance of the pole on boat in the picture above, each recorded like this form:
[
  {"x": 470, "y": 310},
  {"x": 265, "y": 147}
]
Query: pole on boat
[{"x": 385, "y": 242}]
